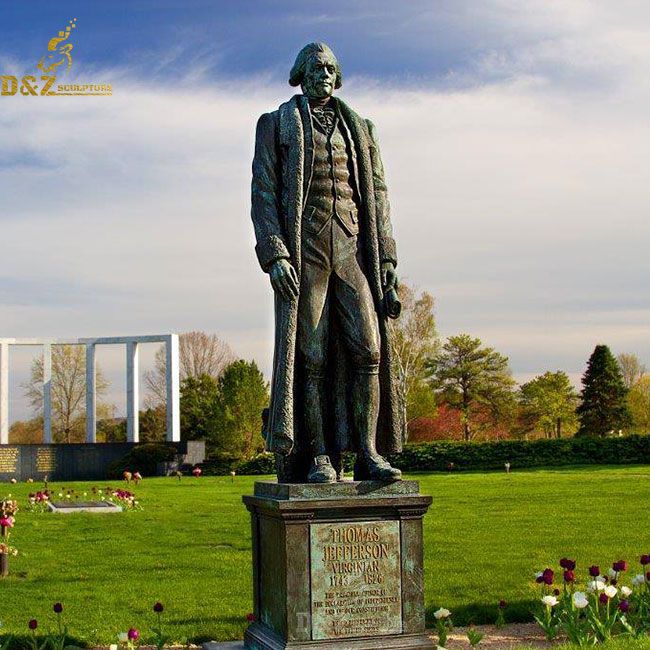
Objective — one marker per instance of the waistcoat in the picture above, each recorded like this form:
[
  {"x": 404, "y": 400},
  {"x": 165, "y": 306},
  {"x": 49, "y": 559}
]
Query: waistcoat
[{"x": 331, "y": 191}]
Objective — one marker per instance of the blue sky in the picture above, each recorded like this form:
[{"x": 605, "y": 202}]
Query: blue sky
[
  {"x": 246, "y": 37},
  {"x": 514, "y": 133}
]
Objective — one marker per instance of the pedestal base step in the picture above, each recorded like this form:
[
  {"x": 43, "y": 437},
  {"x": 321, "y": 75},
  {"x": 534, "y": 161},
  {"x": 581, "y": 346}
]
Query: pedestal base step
[{"x": 257, "y": 638}]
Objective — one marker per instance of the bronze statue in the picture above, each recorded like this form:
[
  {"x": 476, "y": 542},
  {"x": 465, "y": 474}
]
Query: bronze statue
[{"x": 322, "y": 223}]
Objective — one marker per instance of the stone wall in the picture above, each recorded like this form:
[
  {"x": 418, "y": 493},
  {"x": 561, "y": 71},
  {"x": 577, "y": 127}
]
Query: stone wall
[{"x": 77, "y": 462}]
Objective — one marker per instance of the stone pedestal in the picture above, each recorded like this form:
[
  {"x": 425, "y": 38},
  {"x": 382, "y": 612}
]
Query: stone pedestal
[{"x": 337, "y": 566}]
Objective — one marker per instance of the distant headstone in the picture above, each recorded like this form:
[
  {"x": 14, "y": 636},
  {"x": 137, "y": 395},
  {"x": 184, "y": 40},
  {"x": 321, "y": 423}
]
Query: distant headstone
[{"x": 68, "y": 507}]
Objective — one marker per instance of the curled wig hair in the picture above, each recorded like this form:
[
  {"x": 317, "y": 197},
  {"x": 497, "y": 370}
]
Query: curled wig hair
[{"x": 297, "y": 73}]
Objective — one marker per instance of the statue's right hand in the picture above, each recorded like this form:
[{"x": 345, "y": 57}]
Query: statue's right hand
[{"x": 284, "y": 279}]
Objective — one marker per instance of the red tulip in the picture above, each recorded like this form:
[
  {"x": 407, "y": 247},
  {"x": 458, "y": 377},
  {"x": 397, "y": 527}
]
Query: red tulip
[
  {"x": 567, "y": 564},
  {"x": 645, "y": 559},
  {"x": 594, "y": 571},
  {"x": 547, "y": 576},
  {"x": 502, "y": 604},
  {"x": 158, "y": 607},
  {"x": 569, "y": 576},
  {"x": 624, "y": 605},
  {"x": 250, "y": 617},
  {"x": 58, "y": 608},
  {"x": 33, "y": 624},
  {"x": 603, "y": 598},
  {"x": 621, "y": 565}
]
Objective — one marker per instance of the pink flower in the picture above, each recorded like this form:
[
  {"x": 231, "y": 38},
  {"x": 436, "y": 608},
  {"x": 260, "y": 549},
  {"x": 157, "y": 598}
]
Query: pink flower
[
  {"x": 7, "y": 522},
  {"x": 133, "y": 634}
]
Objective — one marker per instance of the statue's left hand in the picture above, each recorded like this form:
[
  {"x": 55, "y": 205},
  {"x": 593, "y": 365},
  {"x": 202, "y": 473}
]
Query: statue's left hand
[{"x": 388, "y": 276}]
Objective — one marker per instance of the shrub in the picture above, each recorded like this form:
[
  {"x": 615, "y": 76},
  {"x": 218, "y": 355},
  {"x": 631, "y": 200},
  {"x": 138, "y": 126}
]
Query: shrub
[
  {"x": 220, "y": 464},
  {"x": 263, "y": 463},
  {"x": 142, "y": 458},
  {"x": 437, "y": 456}
]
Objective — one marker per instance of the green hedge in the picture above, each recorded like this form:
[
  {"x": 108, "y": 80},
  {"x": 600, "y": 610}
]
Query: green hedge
[{"x": 436, "y": 456}]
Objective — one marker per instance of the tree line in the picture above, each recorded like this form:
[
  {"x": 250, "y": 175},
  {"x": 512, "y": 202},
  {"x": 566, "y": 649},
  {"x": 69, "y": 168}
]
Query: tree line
[
  {"x": 456, "y": 388},
  {"x": 462, "y": 384}
]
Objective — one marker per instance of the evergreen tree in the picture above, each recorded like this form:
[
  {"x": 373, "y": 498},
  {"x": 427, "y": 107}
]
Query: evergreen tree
[
  {"x": 198, "y": 408},
  {"x": 604, "y": 406},
  {"x": 474, "y": 380},
  {"x": 242, "y": 396}
]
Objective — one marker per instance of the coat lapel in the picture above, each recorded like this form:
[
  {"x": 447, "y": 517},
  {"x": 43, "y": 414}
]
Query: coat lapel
[
  {"x": 361, "y": 140},
  {"x": 281, "y": 426}
]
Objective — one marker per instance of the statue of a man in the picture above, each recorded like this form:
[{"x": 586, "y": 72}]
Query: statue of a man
[{"x": 322, "y": 224}]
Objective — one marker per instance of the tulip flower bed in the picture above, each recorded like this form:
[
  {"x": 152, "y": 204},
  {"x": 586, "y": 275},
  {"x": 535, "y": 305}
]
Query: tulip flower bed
[
  {"x": 602, "y": 607},
  {"x": 37, "y": 501},
  {"x": 189, "y": 548}
]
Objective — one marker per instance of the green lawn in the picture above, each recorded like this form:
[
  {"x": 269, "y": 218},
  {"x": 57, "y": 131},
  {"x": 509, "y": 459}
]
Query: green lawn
[{"x": 189, "y": 547}]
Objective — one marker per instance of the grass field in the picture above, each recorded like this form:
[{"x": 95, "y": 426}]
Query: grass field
[{"x": 485, "y": 536}]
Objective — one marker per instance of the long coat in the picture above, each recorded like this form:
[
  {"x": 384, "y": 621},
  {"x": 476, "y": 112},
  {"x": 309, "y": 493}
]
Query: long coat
[{"x": 282, "y": 169}]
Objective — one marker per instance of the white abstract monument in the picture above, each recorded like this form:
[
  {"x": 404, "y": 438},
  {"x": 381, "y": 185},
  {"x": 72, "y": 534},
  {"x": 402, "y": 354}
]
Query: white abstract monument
[{"x": 132, "y": 383}]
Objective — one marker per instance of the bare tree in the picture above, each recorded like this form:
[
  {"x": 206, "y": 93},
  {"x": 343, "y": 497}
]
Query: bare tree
[
  {"x": 631, "y": 368},
  {"x": 199, "y": 354},
  {"x": 414, "y": 340},
  {"x": 68, "y": 391}
]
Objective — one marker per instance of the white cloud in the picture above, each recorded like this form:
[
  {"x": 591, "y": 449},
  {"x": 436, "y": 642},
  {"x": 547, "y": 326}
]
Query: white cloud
[{"x": 521, "y": 204}]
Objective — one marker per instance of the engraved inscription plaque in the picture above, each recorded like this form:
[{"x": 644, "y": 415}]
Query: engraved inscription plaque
[
  {"x": 45, "y": 459},
  {"x": 355, "y": 579},
  {"x": 8, "y": 460}
]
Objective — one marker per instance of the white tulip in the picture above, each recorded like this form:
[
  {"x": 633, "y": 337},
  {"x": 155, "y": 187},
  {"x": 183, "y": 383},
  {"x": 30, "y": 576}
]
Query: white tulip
[
  {"x": 539, "y": 574},
  {"x": 626, "y": 591},
  {"x": 611, "y": 573},
  {"x": 550, "y": 601},
  {"x": 113, "y": 646},
  {"x": 595, "y": 585},
  {"x": 580, "y": 600},
  {"x": 638, "y": 579},
  {"x": 442, "y": 613},
  {"x": 611, "y": 591},
  {"x": 123, "y": 637}
]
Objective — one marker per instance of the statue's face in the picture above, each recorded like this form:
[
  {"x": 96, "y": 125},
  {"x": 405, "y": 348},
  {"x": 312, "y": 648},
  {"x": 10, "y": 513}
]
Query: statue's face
[{"x": 320, "y": 76}]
